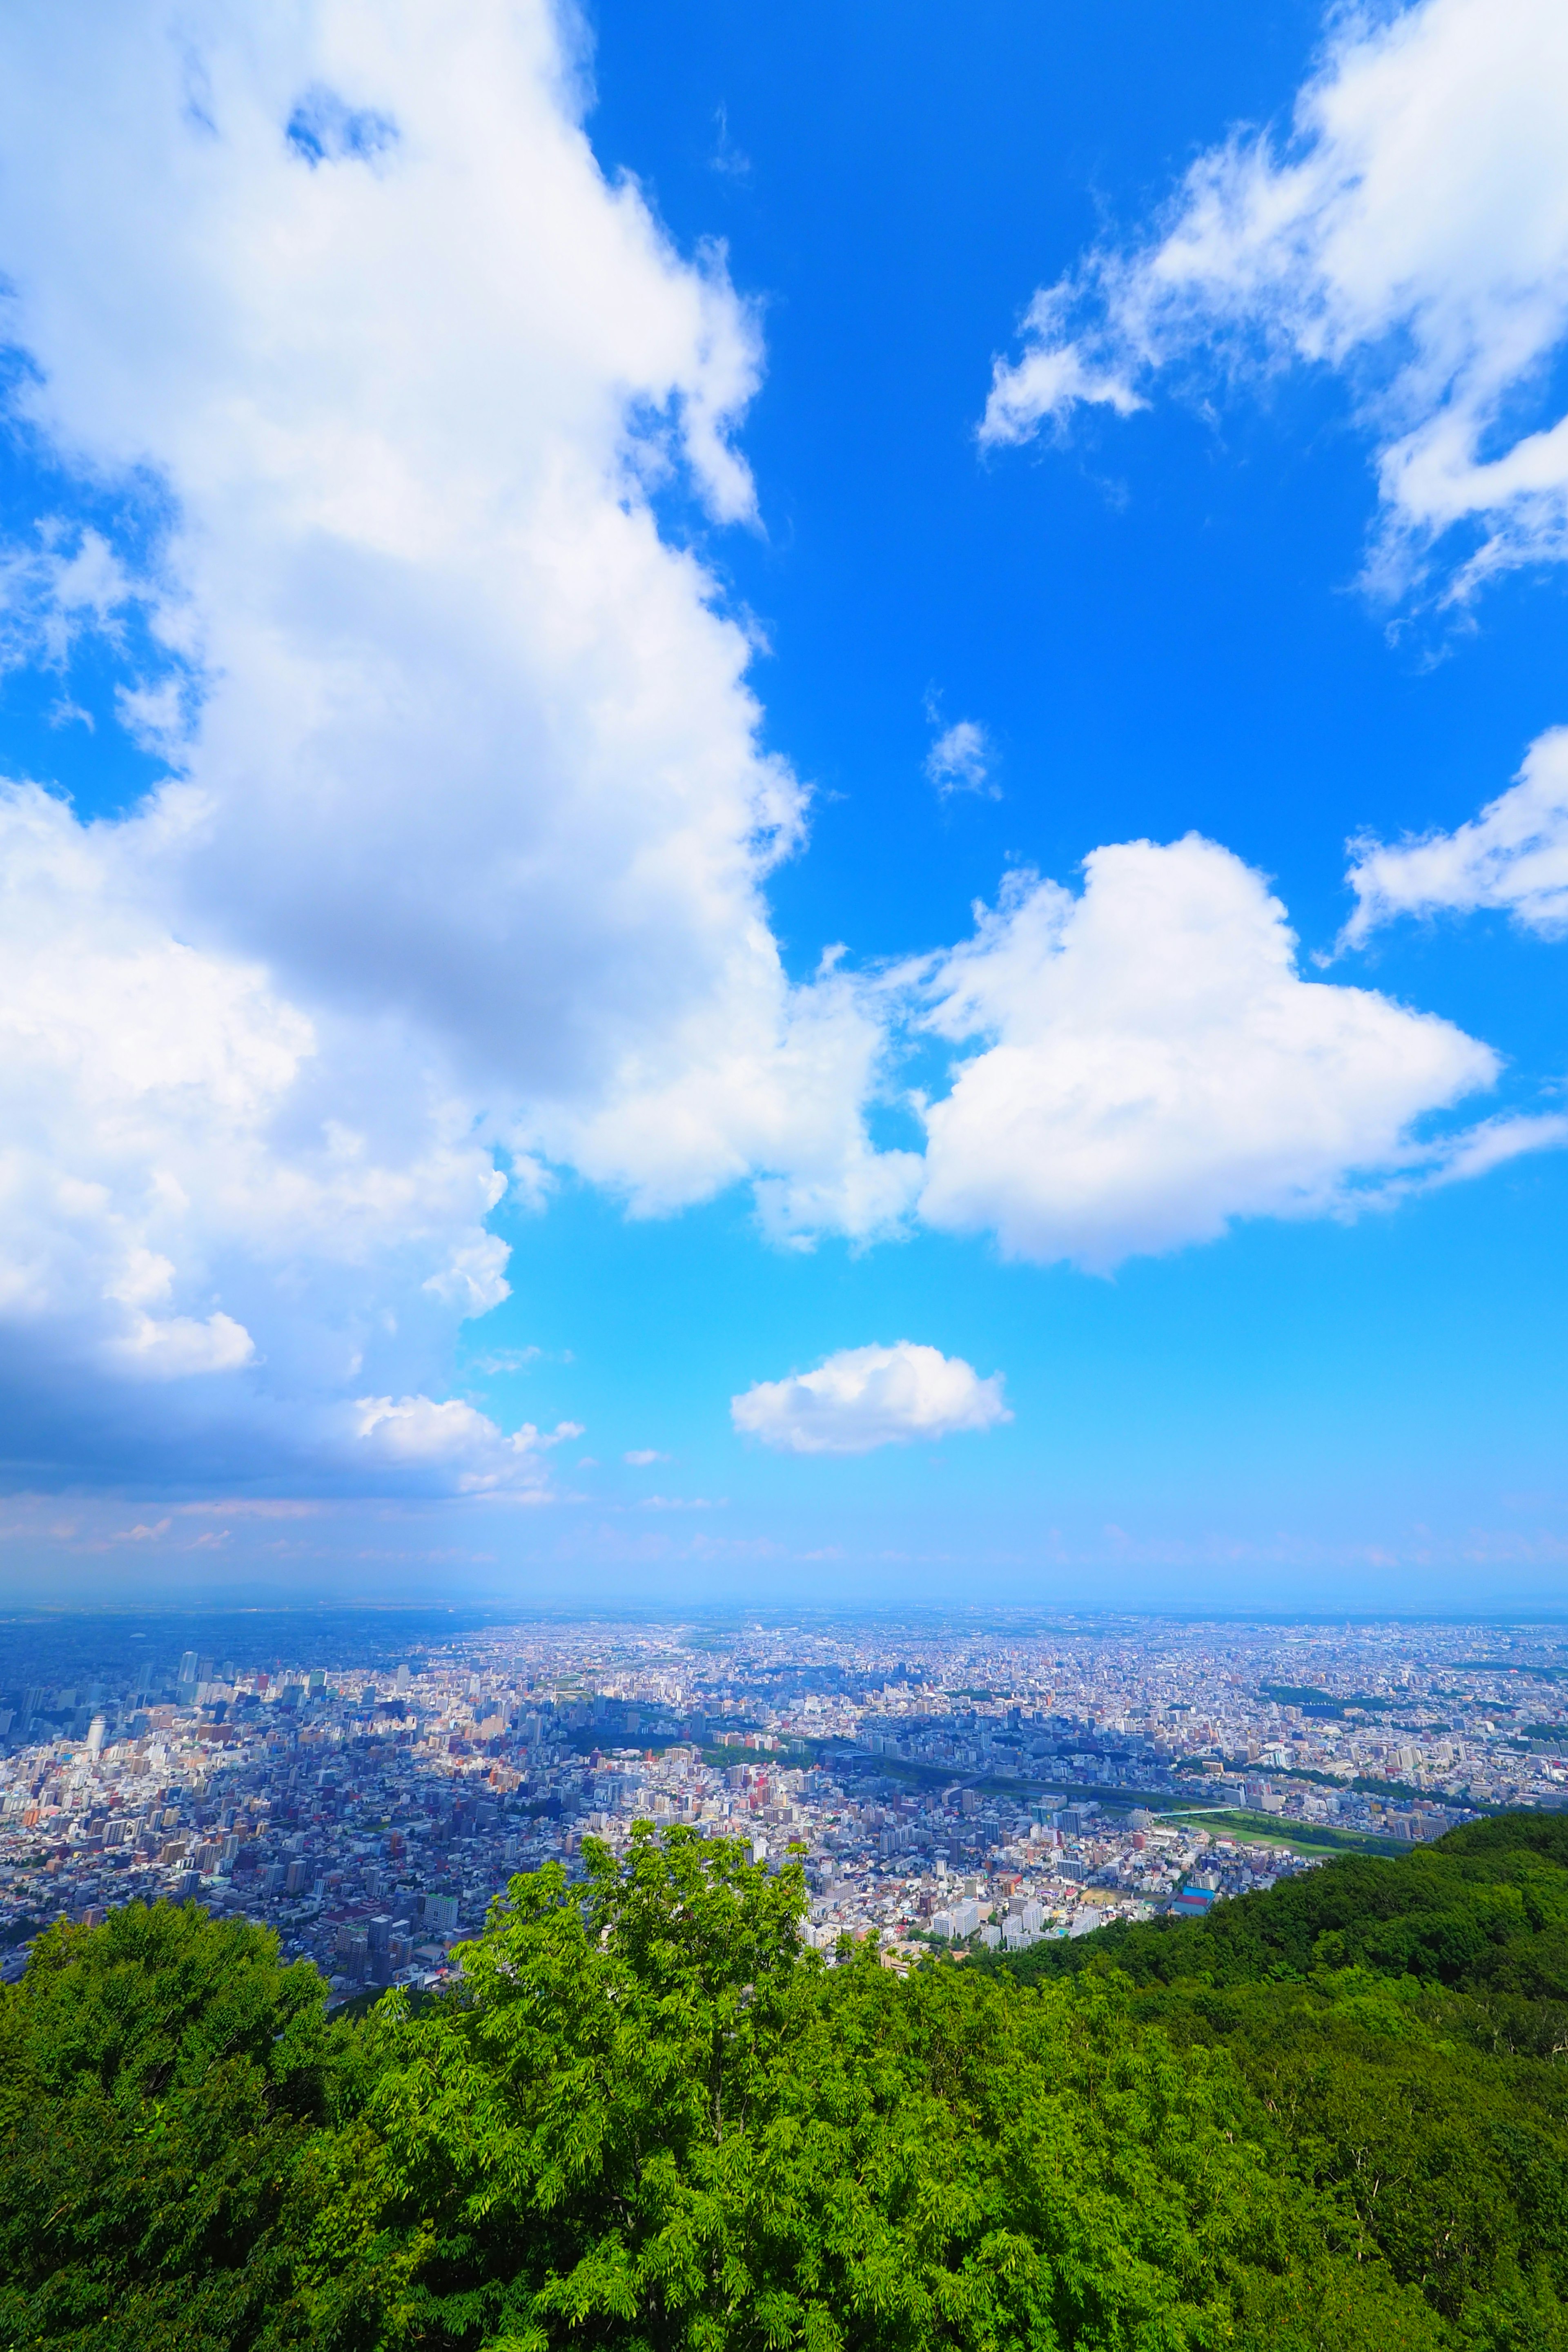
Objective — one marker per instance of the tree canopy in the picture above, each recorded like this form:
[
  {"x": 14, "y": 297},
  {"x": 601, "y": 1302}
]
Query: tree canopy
[{"x": 1328, "y": 2118}]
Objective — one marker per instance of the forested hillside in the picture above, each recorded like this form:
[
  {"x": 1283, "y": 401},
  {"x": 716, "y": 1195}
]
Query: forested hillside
[
  {"x": 1483, "y": 1910},
  {"x": 1332, "y": 2116}
]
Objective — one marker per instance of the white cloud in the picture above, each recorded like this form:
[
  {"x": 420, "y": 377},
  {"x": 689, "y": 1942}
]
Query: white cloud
[
  {"x": 155, "y": 717},
  {"x": 65, "y": 584},
  {"x": 1481, "y": 1148},
  {"x": 496, "y": 1361},
  {"x": 642, "y": 1455},
  {"x": 1052, "y": 378},
  {"x": 460, "y": 1445},
  {"x": 960, "y": 759},
  {"x": 1514, "y": 857},
  {"x": 866, "y": 1397},
  {"x": 474, "y": 1277},
  {"x": 462, "y": 863},
  {"x": 466, "y": 845},
  {"x": 476, "y": 749},
  {"x": 177, "y": 1346},
  {"x": 1152, "y": 1065},
  {"x": 1413, "y": 230},
  {"x": 179, "y": 1200}
]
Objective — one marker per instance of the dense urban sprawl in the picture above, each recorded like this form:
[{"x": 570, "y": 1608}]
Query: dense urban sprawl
[{"x": 961, "y": 1786}]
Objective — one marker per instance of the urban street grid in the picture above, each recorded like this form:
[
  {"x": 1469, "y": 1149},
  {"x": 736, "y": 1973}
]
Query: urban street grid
[{"x": 982, "y": 1785}]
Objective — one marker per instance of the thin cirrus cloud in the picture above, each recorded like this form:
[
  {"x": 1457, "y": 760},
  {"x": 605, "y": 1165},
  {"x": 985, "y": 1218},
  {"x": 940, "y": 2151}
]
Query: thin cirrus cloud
[
  {"x": 862, "y": 1397},
  {"x": 1411, "y": 229},
  {"x": 962, "y": 756}
]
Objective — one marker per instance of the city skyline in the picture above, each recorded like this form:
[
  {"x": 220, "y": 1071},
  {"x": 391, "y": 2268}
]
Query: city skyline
[{"x": 367, "y": 1783}]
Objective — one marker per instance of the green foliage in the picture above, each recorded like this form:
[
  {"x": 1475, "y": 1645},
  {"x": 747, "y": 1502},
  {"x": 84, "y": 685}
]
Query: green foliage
[
  {"x": 1446, "y": 2153},
  {"x": 1404, "y": 2024},
  {"x": 1332, "y": 2118},
  {"x": 159, "y": 2078},
  {"x": 652, "y": 2121},
  {"x": 1485, "y": 1907}
]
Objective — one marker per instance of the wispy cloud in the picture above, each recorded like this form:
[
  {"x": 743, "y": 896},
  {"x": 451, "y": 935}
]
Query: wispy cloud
[
  {"x": 1409, "y": 230},
  {"x": 731, "y": 162},
  {"x": 961, "y": 757},
  {"x": 1513, "y": 857}
]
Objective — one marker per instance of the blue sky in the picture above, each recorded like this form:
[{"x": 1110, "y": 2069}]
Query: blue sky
[{"x": 483, "y": 605}]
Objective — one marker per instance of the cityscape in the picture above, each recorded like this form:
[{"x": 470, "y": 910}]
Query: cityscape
[{"x": 367, "y": 1788}]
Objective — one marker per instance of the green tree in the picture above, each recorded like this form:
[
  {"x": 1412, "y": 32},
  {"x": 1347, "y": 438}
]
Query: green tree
[
  {"x": 1445, "y": 2154},
  {"x": 159, "y": 2078},
  {"x": 650, "y": 2121},
  {"x": 1487, "y": 1905},
  {"x": 1331, "y": 2119}
]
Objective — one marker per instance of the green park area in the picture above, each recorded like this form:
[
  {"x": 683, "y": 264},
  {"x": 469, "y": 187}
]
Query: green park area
[{"x": 1271, "y": 1829}]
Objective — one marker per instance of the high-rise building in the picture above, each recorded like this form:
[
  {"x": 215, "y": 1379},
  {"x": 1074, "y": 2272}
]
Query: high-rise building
[
  {"x": 188, "y": 1665},
  {"x": 353, "y": 1947}
]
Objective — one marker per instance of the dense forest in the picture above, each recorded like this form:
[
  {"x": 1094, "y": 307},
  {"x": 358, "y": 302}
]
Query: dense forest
[{"x": 1332, "y": 2118}]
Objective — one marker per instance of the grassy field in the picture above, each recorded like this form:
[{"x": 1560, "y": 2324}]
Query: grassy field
[{"x": 1302, "y": 1837}]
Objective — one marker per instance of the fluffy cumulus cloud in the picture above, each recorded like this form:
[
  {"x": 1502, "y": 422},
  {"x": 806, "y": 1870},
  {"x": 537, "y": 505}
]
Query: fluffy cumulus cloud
[
  {"x": 1411, "y": 227},
  {"x": 865, "y": 1397},
  {"x": 1151, "y": 1065},
  {"x": 473, "y": 749},
  {"x": 368, "y": 379},
  {"x": 150, "y": 1164},
  {"x": 1513, "y": 857},
  {"x": 461, "y": 856},
  {"x": 458, "y": 1444},
  {"x": 183, "y": 1203}
]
